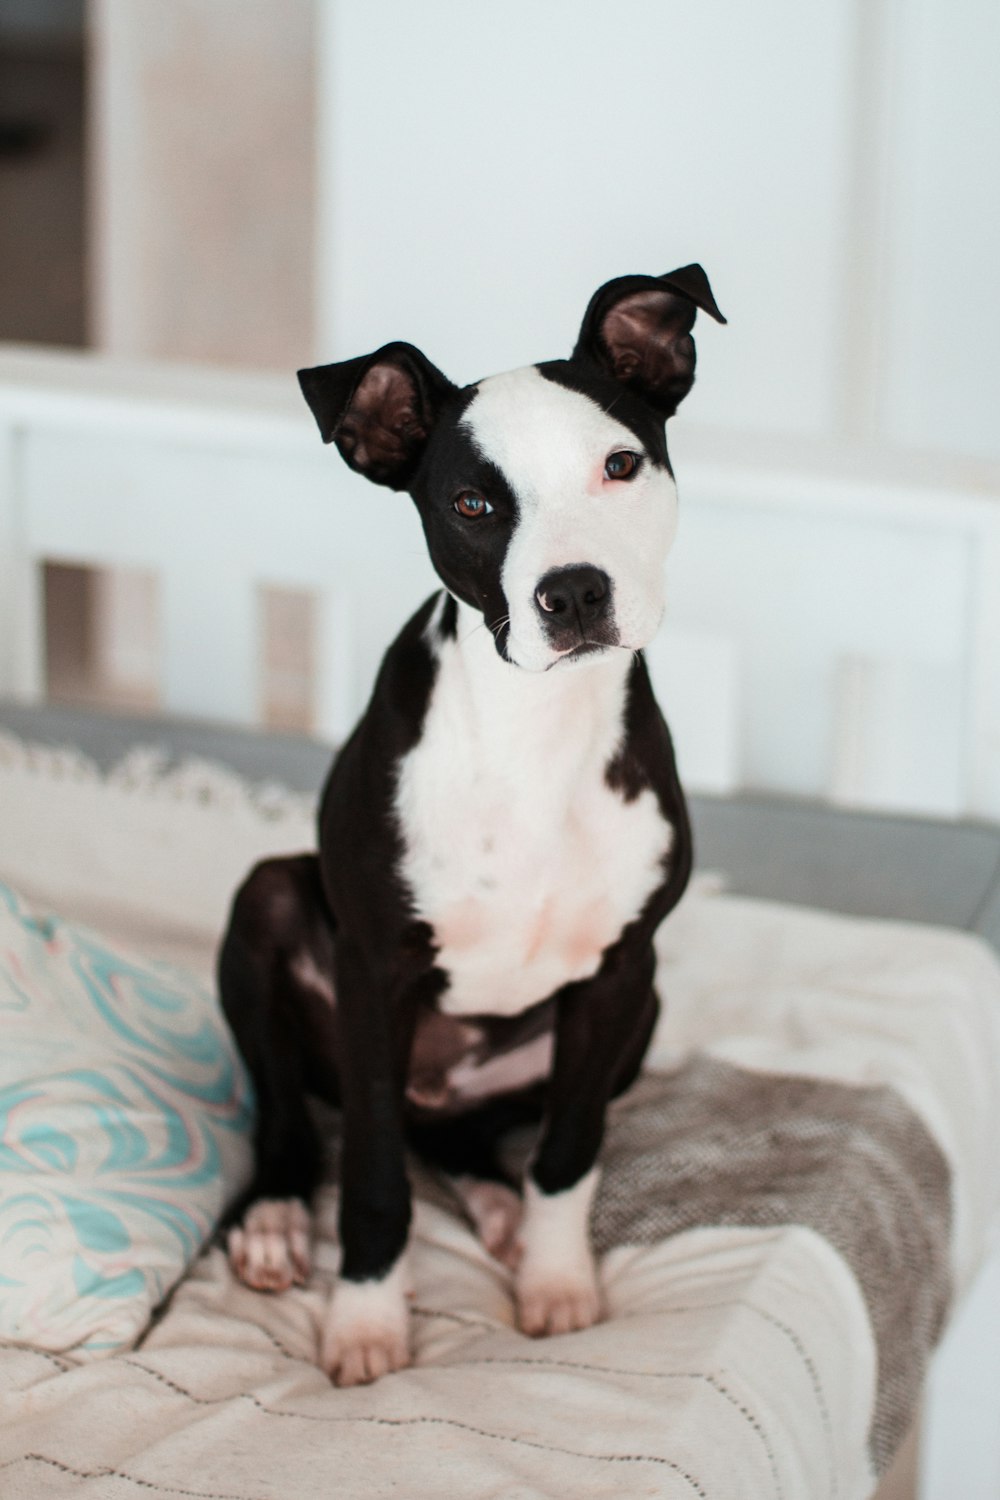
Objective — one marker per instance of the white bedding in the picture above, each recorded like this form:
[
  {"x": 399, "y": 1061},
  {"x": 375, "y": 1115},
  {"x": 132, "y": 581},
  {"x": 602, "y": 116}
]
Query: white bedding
[{"x": 822, "y": 1157}]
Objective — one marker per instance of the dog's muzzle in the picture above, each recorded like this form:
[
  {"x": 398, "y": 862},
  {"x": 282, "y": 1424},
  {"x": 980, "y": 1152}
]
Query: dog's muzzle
[{"x": 576, "y": 607}]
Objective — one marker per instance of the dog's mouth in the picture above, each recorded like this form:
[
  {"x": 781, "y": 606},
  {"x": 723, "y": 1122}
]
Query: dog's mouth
[{"x": 581, "y": 650}]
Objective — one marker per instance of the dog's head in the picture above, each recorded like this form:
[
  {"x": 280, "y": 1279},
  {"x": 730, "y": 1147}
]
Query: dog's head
[{"x": 546, "y": 494}]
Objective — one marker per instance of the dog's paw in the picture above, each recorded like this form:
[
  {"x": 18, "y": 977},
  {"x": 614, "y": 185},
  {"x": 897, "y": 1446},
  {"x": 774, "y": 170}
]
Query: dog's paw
[
  {"x": 269, "y": 1251},
  {"x": 495, "y": 1211},
  {"x": 558, "y": 1302},
  {"x": 366, "y": 1332},
  {"x": 360, "y": 1356},
  {"x": 556, "y": 1284}
]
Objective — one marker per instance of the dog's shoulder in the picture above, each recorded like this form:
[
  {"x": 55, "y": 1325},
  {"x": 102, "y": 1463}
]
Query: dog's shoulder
[
  {"x": 393, "y": 720},
  {"x": 398, "y": 707},
  {"x": 645, "y": 756},
  {"x": 356, "y": 808},
  {"x": 644, "y": 760}
]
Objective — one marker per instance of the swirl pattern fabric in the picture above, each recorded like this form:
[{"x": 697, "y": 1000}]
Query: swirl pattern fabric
[{"x": 125, "y": 1117}]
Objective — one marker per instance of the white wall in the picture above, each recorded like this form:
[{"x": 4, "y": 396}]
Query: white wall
[
  {"x": 478, "y": 169},
  {"x": 939, "y": 384},
  {"x": 830, "y": 162},
  {"x": 490, "y": 166}
]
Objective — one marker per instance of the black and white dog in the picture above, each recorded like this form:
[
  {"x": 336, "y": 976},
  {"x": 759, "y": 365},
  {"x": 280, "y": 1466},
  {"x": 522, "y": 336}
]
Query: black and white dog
[{"x": 499, "y": 839}]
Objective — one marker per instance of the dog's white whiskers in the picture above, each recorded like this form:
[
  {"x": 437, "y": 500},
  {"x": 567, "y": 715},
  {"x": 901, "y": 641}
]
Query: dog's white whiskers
[{"x": 494, "y": 629}]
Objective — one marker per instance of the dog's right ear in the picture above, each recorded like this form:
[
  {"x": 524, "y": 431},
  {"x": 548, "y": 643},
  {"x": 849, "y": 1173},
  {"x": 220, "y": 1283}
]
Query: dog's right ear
[{"x": 379, "y": 410}]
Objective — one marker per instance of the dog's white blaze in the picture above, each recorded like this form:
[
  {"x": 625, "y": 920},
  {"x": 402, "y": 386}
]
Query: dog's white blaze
[
  {"x": 551, "y": 444},
  {"x": 524, "y": 861}
]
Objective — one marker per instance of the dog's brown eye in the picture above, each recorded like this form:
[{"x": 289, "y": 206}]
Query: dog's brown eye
[
  {"x": 472, "y": 506},
  {"x": 621, "y": 465}
]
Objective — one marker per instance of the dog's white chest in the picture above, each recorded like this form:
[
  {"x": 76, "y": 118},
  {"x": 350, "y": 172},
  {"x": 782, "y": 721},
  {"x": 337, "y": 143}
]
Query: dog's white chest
[{"x": 524, "y": 861}]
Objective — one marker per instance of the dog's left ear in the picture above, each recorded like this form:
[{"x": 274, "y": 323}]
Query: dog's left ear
[
  {"x": 379, "y": 410},
  {"x": 639, "y": 329}
]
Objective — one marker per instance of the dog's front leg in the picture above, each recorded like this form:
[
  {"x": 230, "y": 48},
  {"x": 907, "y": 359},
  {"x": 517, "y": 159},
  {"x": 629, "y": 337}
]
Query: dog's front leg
[
  {"x": 602, "y": 1030},
  {"x": 366, "y": 1325}
]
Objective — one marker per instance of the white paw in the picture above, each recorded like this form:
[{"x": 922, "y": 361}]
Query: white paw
[
  {"x": 558, "y": 1302},
  {"x": 269, "y": 1251},
  {"x": 495, "y": 1211},
  {"x": 366, "y": 1332},
  {"x": 556, "y": 1283}
]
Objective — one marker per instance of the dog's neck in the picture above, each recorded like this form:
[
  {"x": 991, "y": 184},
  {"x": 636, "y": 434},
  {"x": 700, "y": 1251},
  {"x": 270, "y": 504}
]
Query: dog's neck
[{"x": 506, "y": 711}]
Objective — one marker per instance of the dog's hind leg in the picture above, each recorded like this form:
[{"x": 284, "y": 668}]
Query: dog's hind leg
[
  {"x": 275, "y": 982},
  {"x": 495, "y": 1212},
  {"x": 466, "y": 1148}
]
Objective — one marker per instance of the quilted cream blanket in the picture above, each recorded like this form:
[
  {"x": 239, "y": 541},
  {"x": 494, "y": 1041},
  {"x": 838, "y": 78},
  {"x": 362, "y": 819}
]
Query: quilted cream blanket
[{"x": 792, "y": 1198}]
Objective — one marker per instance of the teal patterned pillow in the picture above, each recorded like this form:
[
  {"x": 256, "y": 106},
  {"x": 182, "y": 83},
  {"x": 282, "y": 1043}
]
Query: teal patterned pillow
[{"x": 125, "y": 1118}]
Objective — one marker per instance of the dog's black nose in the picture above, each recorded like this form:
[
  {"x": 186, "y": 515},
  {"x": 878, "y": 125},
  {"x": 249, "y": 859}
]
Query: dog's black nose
[{"x": 579, "y": 594}]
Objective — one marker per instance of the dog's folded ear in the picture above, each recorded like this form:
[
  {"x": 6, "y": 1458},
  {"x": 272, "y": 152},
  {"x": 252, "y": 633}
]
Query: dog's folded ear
[
  {"x": 639, "y": 329},
  {"x": 379, "y": 410}
]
